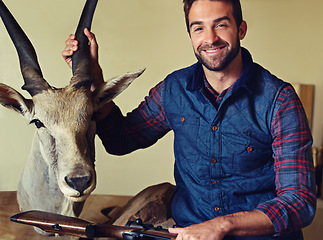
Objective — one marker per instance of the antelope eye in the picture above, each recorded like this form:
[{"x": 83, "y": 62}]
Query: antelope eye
[{"x": 37, "y": 123}]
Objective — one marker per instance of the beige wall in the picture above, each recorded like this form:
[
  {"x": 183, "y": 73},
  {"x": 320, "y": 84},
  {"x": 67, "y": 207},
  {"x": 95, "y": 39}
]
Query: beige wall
[{"x": 283, "y": 35}]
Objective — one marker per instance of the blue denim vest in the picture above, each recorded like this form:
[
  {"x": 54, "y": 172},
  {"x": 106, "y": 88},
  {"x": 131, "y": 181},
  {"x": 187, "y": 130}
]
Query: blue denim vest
[{"x": 224, "y": 160}]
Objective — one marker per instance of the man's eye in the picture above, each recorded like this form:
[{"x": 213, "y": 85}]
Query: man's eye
[
  {"x": 37, "y": 123},
  {"x": 197, "y": 29},
  {"x": 221, "y": 25}
]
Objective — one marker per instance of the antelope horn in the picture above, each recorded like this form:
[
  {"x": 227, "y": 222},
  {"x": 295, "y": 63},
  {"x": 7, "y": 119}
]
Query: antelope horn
[
  {"x": 81, "y": 58},
  {"x": 30, "y": 69}
]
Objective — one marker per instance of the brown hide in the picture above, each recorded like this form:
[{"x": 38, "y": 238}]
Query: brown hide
[{"x": 151, "y": 205}]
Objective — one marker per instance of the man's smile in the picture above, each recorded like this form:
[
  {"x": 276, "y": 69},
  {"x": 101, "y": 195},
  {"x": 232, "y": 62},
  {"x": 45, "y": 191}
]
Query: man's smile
[{"x": 213, "y": 50}]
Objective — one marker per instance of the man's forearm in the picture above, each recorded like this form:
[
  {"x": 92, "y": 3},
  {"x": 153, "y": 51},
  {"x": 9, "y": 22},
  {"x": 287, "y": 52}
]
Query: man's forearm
[{"x": 249, "y": 223}]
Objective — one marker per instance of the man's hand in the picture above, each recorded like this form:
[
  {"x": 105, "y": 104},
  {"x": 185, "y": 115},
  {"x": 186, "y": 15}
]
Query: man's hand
[
  {"x": 70, "y": 48},
  {"x": 71, "y": 45}
]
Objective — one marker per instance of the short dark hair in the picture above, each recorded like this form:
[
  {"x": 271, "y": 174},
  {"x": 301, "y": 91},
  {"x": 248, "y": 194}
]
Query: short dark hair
[{"x": 237, "y": 12}]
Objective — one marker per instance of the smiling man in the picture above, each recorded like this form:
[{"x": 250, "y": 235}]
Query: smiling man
[{"x": 243, "y": 162}]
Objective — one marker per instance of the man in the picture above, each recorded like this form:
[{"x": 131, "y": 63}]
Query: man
[{"x": 243, "y": 163}]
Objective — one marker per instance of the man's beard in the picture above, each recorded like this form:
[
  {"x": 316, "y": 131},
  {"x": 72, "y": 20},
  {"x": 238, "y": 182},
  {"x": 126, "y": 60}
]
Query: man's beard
[{"x": 220, "y": 62}]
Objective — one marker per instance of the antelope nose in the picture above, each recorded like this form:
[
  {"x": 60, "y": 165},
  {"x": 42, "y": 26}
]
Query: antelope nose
[{"x": 79, "y": 183}]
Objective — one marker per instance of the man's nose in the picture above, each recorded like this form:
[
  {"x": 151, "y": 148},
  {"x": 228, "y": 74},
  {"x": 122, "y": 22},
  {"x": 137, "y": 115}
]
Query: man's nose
[{"x": 211, "y": 36}]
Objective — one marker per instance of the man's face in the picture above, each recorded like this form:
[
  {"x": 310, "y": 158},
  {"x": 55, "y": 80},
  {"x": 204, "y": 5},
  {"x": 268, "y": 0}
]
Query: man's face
[{"x": 214, "y": 33}]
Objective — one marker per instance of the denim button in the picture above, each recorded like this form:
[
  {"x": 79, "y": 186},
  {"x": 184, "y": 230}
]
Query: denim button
[
  {"x": 214, "y": 128},
  {"x": 249, "y": 149}
]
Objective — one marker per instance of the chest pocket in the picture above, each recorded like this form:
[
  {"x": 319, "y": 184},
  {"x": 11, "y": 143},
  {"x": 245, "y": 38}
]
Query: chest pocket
[
  {"x": 190, "y": 143},
  {"x": 256, "y": 155}
]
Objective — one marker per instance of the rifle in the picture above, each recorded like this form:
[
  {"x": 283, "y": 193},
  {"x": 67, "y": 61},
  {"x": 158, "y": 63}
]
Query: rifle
[{"x": 63, "y": 225}]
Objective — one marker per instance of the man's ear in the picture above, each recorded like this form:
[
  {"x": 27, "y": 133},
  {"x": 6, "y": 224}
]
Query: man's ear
[
  {"x": 189, "y": 36},
  {"x": 242, "y": 30}
]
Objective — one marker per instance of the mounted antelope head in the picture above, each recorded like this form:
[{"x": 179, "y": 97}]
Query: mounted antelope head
[{"x": 59, "y": 174}]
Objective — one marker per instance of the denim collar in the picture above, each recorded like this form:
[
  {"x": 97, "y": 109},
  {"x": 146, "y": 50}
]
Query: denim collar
[{"x": 242, "y": 82}]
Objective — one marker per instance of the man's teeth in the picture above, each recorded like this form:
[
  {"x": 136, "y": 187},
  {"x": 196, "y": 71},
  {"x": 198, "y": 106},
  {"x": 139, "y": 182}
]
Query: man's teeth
[{"x": 212, "y": 51}]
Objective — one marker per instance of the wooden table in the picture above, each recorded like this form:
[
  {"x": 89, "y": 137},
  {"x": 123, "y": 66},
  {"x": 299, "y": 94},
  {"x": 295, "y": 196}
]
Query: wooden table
[
  {"x": 92, "y": 212},
  {"x": 14, "y": 231}
]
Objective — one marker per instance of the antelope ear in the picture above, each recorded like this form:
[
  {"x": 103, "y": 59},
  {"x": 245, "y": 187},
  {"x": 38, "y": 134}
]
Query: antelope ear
[
  {"x": 109, "y": 90},
  {"x": 12, "y": 99}
]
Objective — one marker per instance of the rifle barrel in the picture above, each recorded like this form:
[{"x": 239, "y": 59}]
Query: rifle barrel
[
  {"x": 55, "y": 223},
  {"x": 63, "y": 225}
]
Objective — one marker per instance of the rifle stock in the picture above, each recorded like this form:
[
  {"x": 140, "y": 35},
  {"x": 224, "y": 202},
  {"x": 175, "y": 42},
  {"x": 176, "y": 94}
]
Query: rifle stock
[{"x": 63, "y": 225}]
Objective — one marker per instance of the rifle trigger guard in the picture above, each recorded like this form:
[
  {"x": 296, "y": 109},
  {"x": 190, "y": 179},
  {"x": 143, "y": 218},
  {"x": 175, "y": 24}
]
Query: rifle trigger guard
[{"x": 57, "y": 227}]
